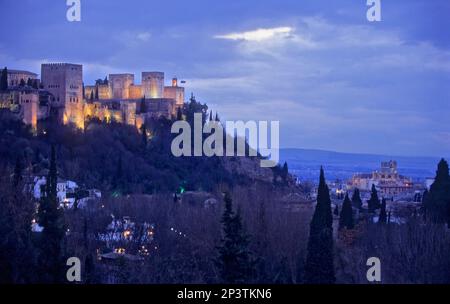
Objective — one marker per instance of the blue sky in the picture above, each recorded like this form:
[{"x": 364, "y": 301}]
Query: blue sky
[{"x": 332, "y": 79}]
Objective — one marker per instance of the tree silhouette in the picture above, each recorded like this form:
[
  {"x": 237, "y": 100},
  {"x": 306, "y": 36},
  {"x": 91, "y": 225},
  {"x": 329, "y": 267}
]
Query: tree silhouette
[
  {"x": 356, "y": 199},
  {"x": 437, "y": 200},
  {"x": 374, "y": 202},
  {"x": 346, "y": 218},
  {"x": 319, "y": 268},
  {"x": 235, "y": 262},
  {"x": 51, "y": 218}
]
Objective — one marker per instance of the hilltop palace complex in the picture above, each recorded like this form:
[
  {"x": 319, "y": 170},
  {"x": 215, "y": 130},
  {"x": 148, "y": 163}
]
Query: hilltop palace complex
[{"x": 60, "y": 92}]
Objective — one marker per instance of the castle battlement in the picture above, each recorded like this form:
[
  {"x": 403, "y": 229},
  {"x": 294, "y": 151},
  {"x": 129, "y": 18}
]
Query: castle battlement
[{"x": 59, "y": 64}]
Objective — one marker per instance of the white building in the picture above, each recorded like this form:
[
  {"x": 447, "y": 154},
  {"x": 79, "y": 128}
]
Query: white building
[{"x": 63, "y": 188}]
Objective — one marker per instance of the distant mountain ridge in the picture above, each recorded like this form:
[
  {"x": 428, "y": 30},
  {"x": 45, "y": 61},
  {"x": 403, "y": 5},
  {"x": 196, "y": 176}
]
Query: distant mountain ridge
[{"x": 305, "y": 164}]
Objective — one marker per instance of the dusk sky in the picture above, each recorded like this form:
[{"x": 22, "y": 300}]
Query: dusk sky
[{"x": 334, "y": 80}]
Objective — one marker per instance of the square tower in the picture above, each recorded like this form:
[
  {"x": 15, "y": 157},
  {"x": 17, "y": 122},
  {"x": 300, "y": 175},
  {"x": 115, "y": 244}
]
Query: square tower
[
  {"x": 120, "y": 85},
  {"x": 65, "y": 82},
  {"x": 153, "y": 84},
  {"x": 175, "y": 92}
]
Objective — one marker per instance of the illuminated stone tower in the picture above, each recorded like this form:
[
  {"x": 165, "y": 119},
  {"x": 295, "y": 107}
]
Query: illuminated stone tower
[
  {"x": 65, "y": 82},
  {"x": 120, "y": 85},
  {"x": 175, "y": 92},
  {"x": 153, "y": 84},
  {"x": 29, "y": 100}
]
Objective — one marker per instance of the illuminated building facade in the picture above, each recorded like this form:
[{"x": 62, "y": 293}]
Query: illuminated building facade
[
  {"x": 65, "y": 82},
  {"x": 387, "y": 180}
]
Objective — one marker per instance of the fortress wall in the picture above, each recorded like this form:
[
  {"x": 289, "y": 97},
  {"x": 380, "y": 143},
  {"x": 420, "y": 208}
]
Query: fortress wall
[{"x": 136, "y": 92}]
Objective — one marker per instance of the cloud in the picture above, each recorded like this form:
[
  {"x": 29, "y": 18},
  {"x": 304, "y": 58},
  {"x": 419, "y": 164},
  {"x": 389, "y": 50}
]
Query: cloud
[
  {"x": 259, "y": 35},
  {"x": 144, "y": 36},
  {"x": 348, "y": 87},
  {"x": 132, "y": 39}
]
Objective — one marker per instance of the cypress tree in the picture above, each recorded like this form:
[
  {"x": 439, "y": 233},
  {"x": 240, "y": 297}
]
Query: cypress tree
[
  {"x": 4, "y": 80},
  {"x": 36, "y": 86},
  {"x": 383, "y": 215},
  {"x": 22, "y": 82},
  {"x": 179, "y": 114},
  {"x": 374, "y": 201},
  {"x": 356, "y": 199},
  {"x": 51, "y": 219},
  {"x": 234, "y": 262},
  {"x": 437, "y": 200},
  {"x": 92, "y": 96},
  {"x": 144, "y": 135},
  {"x": 346, "y": 218},
  {"x": 143, "y": 107},
  {"x": 422, "y": 205},
  {"x": 96, "y": 92},
  {"x": 284, "y": 171},
  {"x": 17, "y": 172},
  {"x": 319, "y": 268},
  {"x": 29, "y": 82}
]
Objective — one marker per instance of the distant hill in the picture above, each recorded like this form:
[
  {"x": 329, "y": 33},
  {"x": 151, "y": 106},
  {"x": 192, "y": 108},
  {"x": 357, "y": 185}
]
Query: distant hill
[{"x": 305, "y": 164}]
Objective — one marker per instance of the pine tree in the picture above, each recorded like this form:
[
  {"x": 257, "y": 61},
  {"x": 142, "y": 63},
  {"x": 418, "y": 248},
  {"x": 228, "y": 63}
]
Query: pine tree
[
  {"x": 51, "y": 218},
  {"x": 437, "y": 201},
  {"x": 235, "y": 262},
  {"x": 374, "y": 201},
  {"x": 346, "y": 218},
  {"x": 319, "y": 268},
  {"x": 383, "y": 215},
  {"x": 356, "y": 199},
  {"x": 4, "y": 80}
]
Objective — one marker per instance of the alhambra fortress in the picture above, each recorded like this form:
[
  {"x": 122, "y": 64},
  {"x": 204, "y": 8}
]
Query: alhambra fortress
[{"x": 61, "y": 93}]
